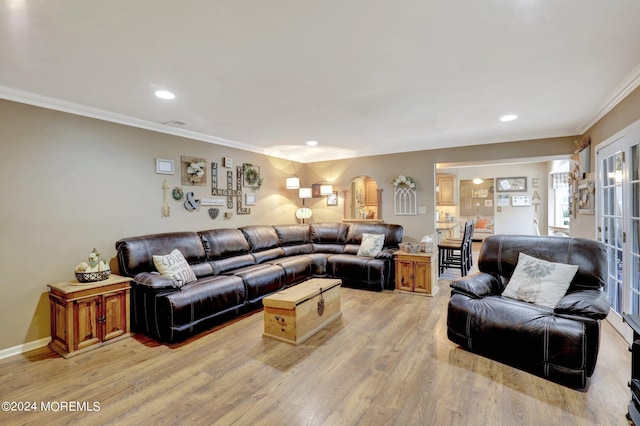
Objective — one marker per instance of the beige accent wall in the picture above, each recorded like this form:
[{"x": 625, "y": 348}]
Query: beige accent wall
[
  {"x": 73, "y": 183},
  {"x": 421, "y": 166}
]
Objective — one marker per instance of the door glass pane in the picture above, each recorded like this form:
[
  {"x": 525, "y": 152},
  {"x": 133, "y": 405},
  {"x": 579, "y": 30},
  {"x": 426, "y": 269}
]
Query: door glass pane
[
  {"x": 635, "y": 284},
  {"x": 635, "y": 199},
  {"x": 634, "y": 170},
  {"x": 635, "y": 236},
  {"x": 634, "y": 228},
  {"x": 611, "y": 223}
]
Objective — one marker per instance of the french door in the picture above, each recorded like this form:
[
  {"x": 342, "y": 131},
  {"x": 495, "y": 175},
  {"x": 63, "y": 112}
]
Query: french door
[{"x": 618, "y": 222}]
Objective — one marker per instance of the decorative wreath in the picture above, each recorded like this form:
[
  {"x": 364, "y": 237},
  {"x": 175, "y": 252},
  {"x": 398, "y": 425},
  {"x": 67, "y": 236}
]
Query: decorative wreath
[{"x": 252, "y": 176}]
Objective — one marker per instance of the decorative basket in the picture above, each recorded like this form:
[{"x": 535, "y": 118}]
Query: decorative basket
[
  {"x": 409, "y": 247},
  {"x": 90, "y": 277}
]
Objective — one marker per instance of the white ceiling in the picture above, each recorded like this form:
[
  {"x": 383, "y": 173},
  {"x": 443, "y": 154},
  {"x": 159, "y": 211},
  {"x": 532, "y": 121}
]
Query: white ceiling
[{"x": 362, "y": 77}]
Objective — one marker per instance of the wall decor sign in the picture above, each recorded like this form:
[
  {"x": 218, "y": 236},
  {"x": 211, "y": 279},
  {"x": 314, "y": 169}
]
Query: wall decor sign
[
  {"x": 239, "y": 179},
  {"x": 511, "y": 184},
  {"x": 166, "y": 210},
  {"x": 191, "y": 203},
  {"x": 164, "y": 167},
  {"x": 193, "y": 171},
  {"x": 520, "y": 200},
  {"x": 212, "y": 202}
]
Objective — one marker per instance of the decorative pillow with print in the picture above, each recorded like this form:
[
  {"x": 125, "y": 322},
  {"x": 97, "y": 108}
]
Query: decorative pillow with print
[
  {"x": 539, "y": 281},
  {"x": 174, "y": 265},
  {"x": 371, "y": 245},
  {"x": 481, "y": 224}
]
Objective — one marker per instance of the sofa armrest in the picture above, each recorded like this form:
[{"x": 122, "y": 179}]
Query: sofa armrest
[
  {"x": 477, "y": 285},
  {"x": 386, "y": 253},
  {"x": 153, "y": 280},
  {"x": 586, "y": 303}
]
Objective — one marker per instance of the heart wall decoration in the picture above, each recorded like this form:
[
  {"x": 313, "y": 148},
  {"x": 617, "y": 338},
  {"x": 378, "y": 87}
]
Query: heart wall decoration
[{"x": 213, "y": 212}]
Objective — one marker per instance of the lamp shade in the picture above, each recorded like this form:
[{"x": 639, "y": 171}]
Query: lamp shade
[
  {"x": 326, "y": 189},
  {"x": 293, "y": 182},
  {"x": 304, "y": 193}
]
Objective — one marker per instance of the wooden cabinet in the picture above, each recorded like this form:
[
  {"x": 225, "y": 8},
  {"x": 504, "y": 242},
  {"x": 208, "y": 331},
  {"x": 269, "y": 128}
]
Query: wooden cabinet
[
  {"x": 446, "y": 194},
  {"x": 416, "y": 272},
  {"x": 370, "y": 192},
  {"x": 86, "y": 315}
]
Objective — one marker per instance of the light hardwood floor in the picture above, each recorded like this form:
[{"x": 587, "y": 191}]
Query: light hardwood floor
[{"x": 386, "y": 362}]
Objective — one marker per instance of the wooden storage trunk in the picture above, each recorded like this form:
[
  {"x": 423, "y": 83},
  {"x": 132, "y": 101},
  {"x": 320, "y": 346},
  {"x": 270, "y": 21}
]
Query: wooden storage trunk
[{"x": 295, "y": 314}]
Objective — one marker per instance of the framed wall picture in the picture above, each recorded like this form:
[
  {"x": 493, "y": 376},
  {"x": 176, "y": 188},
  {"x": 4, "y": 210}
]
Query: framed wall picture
[
  {"x": 503, "y": 200},
  {"x": 479, "y": 193},
  {"x": 250, "y": 199},
  {"x": 585, "y": 198},
  {"x": 511, "y": 184},
  {"x": 520, "y": 200},
  {"x": 164, "y": 167},
  {"x": 332, "y": 199}
]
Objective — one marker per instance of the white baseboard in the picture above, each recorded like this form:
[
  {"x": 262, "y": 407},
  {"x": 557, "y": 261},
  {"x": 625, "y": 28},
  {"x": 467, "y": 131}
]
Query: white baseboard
[{"x": 25, "y": 347}]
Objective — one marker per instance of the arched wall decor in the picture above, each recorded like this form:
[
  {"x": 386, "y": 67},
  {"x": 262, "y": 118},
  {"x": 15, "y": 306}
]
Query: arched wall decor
[{"x": 405, "y": 198}]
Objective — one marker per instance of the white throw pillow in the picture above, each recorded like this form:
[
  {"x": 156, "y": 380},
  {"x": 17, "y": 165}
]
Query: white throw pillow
[
  {"x": 174, "y": 265},
  {"x": 540, "y": 282},
  {"x": 371, "y": 245}
]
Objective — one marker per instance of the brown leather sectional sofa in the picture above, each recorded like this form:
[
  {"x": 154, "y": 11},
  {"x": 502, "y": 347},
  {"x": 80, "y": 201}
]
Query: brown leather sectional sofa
[
  {"x": 236, "y": 268},
  {"x": 560, "y": 344}
]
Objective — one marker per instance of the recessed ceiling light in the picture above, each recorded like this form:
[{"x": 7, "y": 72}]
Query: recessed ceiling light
[
  {"x": 508, "y": 117},
  {"x": 312, "y": 143},
  {"x": 165, "y": 94}
]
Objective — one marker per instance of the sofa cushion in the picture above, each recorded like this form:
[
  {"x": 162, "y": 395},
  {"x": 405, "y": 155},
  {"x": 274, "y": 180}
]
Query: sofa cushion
[
  {"x": 261, "y": 280},
  {"x": 135, "y": 253},
  {"x": 499, "y": 256},
  {"x": 371, "y": 245},
  {"x": 539, "y": 281},
  {"x": 174, "y": 265},
  {"x": 222, "y": 266},
  {"x": 392, "y": 233},
  {"x": 292, "y": 234},
  {"x": 260, "y": 237},
  {"x": 223, "y": 243},
  {"x": 330, "y": 233}
]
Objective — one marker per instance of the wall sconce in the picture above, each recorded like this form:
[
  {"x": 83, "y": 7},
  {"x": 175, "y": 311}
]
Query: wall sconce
[
  {"x": 293, "y": 182},
  {"x": 477, "y": 181}
]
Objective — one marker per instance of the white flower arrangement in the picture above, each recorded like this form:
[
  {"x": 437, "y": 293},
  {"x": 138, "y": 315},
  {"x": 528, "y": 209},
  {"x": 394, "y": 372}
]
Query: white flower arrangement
[
  {"x": 195, "y": 171},
  {"x": 405, "y": 181}
]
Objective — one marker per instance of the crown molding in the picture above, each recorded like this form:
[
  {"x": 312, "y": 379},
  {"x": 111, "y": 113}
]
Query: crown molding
[
  {"x": 104, "y": 115},
  {"x": 628, "y": 85}
]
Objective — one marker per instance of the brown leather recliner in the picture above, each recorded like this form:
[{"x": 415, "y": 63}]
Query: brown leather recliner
[{"x": 559, "y": 344}]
